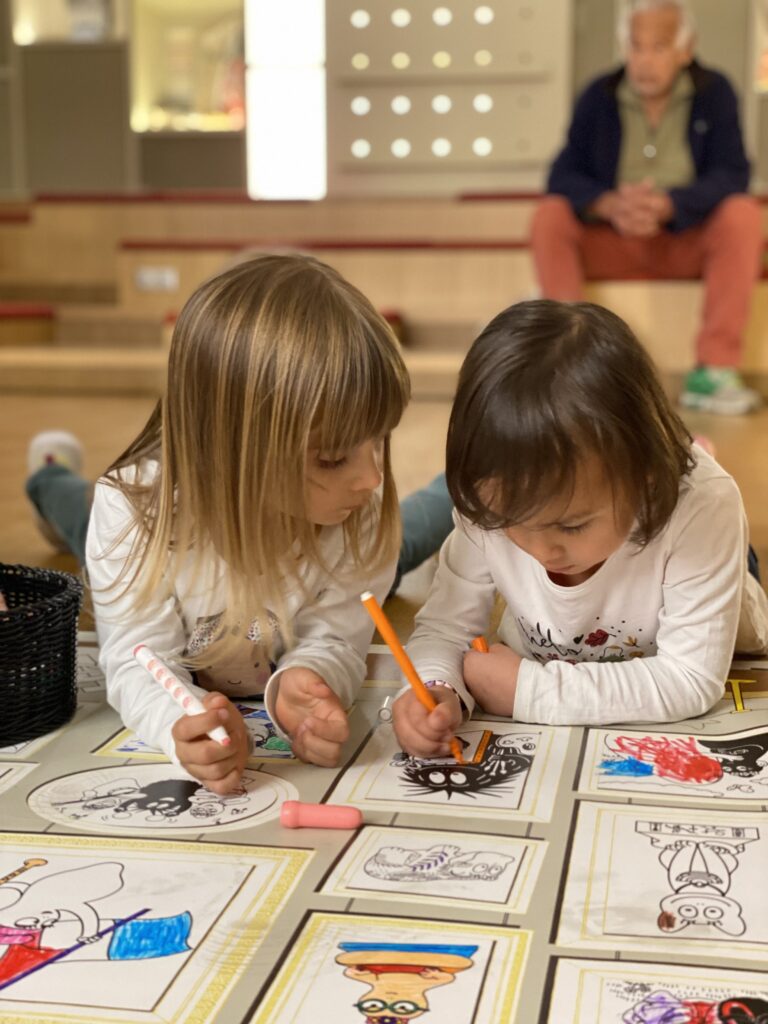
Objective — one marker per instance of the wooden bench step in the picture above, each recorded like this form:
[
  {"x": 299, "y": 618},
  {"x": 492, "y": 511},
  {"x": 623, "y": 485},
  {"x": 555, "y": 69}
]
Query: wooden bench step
[
  {"x": 26, "y": 323},
  {"x": 57, "y": 292},
  {"x": 108, "y": 326},
  {"x": 70, "y": 370},
  {"x": 81, "y": 370}
]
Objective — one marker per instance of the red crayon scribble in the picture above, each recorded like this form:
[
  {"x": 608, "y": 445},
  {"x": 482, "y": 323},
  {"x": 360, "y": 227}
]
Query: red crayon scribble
[
  {"x": 673, "y": 758},
  {"x": 700, "y": 1013}
]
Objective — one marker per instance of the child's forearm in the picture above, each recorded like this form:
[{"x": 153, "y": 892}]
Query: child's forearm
[{"x": 657, "y": 689}]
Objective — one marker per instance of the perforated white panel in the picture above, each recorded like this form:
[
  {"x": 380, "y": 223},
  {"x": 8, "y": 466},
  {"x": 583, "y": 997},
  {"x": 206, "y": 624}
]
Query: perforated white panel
[{"x": 436, "y": 98}]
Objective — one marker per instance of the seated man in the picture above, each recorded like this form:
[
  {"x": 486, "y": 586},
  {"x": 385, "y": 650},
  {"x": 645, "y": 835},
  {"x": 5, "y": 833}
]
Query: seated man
[{"x": 651, "y": 183}]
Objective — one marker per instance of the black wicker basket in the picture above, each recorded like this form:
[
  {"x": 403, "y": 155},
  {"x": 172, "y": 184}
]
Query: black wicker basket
[{"x": 38, "y": 649}]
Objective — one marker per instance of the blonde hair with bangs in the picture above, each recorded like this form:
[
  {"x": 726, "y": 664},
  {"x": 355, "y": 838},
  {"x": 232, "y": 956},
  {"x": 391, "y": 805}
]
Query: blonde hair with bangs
[{"x": 267, "y": 353}]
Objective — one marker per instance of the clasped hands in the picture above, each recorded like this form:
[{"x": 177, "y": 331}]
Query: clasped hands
[
  {"x": 490, "y": 677},
  {"x": 638, "y": 210}
]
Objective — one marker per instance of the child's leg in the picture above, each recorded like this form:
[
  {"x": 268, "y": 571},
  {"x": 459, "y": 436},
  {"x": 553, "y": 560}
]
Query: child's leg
[
  {"x": 61, "y": 497},
  {"x": 427, "y": 521}
]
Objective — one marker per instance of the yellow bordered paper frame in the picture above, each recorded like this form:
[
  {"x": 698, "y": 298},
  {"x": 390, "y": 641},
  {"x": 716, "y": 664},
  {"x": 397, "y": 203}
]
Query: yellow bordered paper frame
[
  {"x": 606, "y": 992},
  {"x": 125, "y": 744},
  {"x": 157, "y": 798},
  {"x": 246, "y": 888},
  {"x": 311, "y": 986},
  {"x": 669, "y": 849},
  {"x": 375, "y": 783},
  {"x": 631, "y": 763},
  {"x": 450, "y": 869}
]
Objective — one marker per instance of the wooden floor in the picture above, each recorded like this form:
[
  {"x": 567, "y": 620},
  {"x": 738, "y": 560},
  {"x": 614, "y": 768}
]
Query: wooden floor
[{"x": 107, "y": 424}]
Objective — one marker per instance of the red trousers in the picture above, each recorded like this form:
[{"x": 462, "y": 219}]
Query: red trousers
[{"x": 725, "y": 250}]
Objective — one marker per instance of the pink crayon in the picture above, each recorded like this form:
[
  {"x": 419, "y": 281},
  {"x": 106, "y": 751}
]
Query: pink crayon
[
  {"x": 174, "y": 686},
  {"x": 295, "y": 814}
]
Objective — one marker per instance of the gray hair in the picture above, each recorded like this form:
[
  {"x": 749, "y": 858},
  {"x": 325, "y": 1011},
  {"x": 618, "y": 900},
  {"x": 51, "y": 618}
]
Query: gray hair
[{"x": 685, "y": 33}]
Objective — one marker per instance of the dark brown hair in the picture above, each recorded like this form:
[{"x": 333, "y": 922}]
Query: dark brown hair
[{"x": 545, "y": 385}]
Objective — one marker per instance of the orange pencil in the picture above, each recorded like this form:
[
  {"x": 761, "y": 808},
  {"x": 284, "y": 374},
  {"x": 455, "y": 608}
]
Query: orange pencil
[
  {"x": 384, "y": 626},
  {"x": 480, "y": 644}
]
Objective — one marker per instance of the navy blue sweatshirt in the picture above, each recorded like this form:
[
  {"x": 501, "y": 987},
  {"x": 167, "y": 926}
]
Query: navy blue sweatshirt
[{"x": 588, "y": 164}]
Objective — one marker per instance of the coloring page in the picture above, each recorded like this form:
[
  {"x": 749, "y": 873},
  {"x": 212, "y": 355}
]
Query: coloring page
[
  {"x": 266, "y": 744},
  {"x": 667, "y": 765},
  {"x": 91, "y": 683},
  {"x": 648, "y": 878},
  {"x": 604, "y": 992},
  {"x": 447, "y": 868},
  {"x": 345, "y": 969},
  {"x": 156, "y": 797},
  {"x": 11, "y": 772},
  {"x": 92, "y": 930},
  {"x": 508, "y": 771}
]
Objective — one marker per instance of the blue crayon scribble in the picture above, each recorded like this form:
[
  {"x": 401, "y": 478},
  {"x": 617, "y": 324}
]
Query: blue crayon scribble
[
  {"x": 151, "y": 937},
  {"x": 625, "y": 766}
]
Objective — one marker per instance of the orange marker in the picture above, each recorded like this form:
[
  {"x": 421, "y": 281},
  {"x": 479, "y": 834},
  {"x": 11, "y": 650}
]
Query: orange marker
[
  {"x": 384, "y": 626},
  {"x": 480, "y": 644}
]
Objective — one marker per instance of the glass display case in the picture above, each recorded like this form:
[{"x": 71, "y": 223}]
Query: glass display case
[
  {"x": 187, "y": 66},
  {"x": 74, "y": 21}
]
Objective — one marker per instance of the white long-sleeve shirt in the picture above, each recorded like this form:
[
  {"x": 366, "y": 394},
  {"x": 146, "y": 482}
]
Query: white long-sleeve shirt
[
  {"x": 649, "y": 637},
  {"x": 331, "y": 627}
]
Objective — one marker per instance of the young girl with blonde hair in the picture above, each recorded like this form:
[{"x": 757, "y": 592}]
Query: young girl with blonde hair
[
  {"x": 235, "y": 534},
  {"x": 619, "y": 546}
]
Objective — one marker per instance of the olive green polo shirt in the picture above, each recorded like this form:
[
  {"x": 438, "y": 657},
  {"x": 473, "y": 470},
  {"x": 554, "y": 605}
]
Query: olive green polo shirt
[{"x": 662, "y": 153}]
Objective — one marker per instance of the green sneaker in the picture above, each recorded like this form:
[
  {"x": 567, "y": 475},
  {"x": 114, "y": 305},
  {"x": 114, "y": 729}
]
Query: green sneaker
[{"x": 718, "y": 389}]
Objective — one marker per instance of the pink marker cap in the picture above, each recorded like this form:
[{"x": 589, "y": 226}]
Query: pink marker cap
[{"x": 295, "y": 814}]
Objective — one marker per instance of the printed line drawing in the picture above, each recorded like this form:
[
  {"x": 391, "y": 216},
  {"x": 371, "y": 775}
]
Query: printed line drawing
[
  {"x": 399, "y": 975},
  {"x": 436, "y": 863},
  {"x": 98, "y": 927},
  {"x": 156, "y": 797},
  {"x": 266, "y": 744},
  {"x": 351, "y": 969},
  {"x": 509, "y": 770},
  {"x": 674, "y": 766},
  {"x": 699, "y": 874},
  {"x": 703, "y": 882},
  {"x": 603, "y": 992},
  {"x": 496, "y": 873}
]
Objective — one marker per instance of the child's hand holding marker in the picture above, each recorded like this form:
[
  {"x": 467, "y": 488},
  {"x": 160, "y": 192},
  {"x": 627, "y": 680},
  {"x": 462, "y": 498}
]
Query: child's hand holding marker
[
  {"x": 426, "y": 717},
  {"x": 312, "y": 715},
  {"x": 424, "y": 733},
  {"x": 491, "y": 676},
  {"x": 219, "y": 767},
  {"x": 211, "y": 738}
]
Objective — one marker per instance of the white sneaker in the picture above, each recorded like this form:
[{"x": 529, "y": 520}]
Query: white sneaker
[
  {"x": 718, "y": 389},
  {"x": 53, "y": 447}
]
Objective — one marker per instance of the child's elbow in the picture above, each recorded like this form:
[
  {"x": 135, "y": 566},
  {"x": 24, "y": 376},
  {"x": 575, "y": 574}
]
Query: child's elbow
[{"x": 700, "y": 698}]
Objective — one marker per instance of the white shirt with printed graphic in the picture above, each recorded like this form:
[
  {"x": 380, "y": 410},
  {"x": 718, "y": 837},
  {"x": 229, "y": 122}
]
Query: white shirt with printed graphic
[
  {"x": 332, "y": 629},
  {"x": 648, "y": 638}
]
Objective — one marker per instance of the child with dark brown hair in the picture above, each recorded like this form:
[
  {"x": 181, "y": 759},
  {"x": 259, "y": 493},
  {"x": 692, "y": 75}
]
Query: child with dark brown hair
[{"x": 619, "y": 546}]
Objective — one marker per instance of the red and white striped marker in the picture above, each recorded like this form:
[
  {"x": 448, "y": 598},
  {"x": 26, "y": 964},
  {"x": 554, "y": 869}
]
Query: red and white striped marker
[{"x": 174, "y": 686}]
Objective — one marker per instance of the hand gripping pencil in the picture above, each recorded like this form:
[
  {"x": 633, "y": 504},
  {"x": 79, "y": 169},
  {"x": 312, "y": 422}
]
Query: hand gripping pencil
[
  {"x": 384, "y": 626},
  {"x": 174, "y": 686}
]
